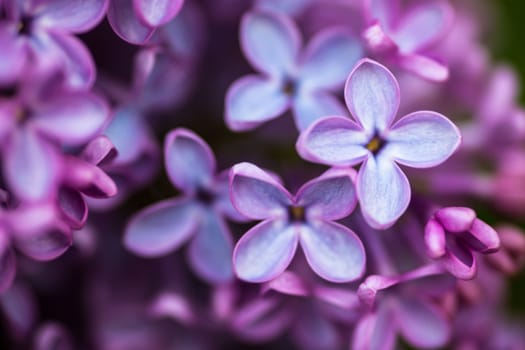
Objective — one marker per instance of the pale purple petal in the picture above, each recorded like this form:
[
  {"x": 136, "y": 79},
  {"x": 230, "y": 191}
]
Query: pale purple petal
[
  {"x": 322, "y": 66},
  {"x": 174, "y": 306},
  {"x": 385, "y": 11},
  {"x": 126, "y": 23},
  {"x": 372, "y": 95},
  {"x": 223, "y": 203},
  {"x": 71, "y": 15},
  {"x": 422, "y": 25},
  {"x": 270, "y": 41},
  {"x": 422, "y": 139},
  {"x": 38, "y": 232},
  {"x": 288, "y": 283},
  {"x": 424, "y": 66},
  {"x": 383, "y": 191},
  {"x": 423, "y": 325},
  {"x": 161, "y": 228},
  {"x": 157, "y": 12},
  {"x": 72, "y": 119},
  {"x": 7, "y": 262},
  {"x": 99, "y": 150},
  {"x": 333, "y": 141},
  {"x": 333, "y": 251},
  {"x": 253, "y": 100},
  {"x": 375, "y": 331},
  {"x": 459, "y": 261},
  {"x": 190, "y": 163},
  {"x": 19, "y": 310},
  {"x": 256, "y": 194},
  {"x": 211, "y": 249},
  {"x": 310, "y": 106},
  {"x": 31, "y": 167},
  {"x": 76, "y": 60},
  {"x": 14, "y": 55},
  {"x": 330, "y": 196},
  {"x": 73, "y": 207},
  {"x": 265, "y": 251}
]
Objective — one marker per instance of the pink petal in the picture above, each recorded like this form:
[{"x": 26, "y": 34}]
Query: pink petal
[
  {"x": 424, "y": 66},
  {"x": 73, "y": 207}
]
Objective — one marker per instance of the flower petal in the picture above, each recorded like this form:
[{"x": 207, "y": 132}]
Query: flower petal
[
  {"x": 256, "y": 194},
  {"x": 456, "y": 219},
  {"x": 19, "y": 310},
  {"x": 383, "y": 191},
  {"x": 485, "y": 235},
  {"x": 253, "y": 100},
  {"x": 7, "y": 263},
  {"x": 385, "y": 11},
  {"x": 265, "y": 251},
  {"x": 423, "y": 325},
  {"x": 31, "y": 167},
  {"x": 422, "y": 25},
  {"x": 322, "y": 66},
  {"x": 223, "y": 203},
  {"x": 312, "y": 330},
  {"x": 372, "y": 95},
  {"x": 333, "y": 141},
  {"x": 426, "y": 67},
  {"x": 422, "y": 139},
  {"x": 100, "y": 150},
  {"x": 127, "y": 24},
  {"x": 190, "y": 163},
  {"x": 14, "y": 55},
  {"x": 72, "y": 119},
  {"x": 211, "y": 249},
  {"x": 310, "y": 106},
  {"x": 459, "y": 261},
  {"x": 376, "y": 331},
  {"x": 330, "y": 196},
  {"x": 88, "y": 179},
  {"x": 270, "y": 41},
  {"x": 71, "y": 15},
  {"x": 333, "y": 251},
  {"x": 157, "y": 12},
  {"x": 161, "y": 228},
  {"x": 73, "y": 208},
  {"x": 52, "y": 336}
]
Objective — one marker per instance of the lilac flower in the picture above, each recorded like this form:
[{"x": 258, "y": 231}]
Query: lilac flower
[
  {"x": 404, "y": 38},
  {"x": 42, "y": 116},
  {"x": 421, "y": 139},
  {"x": 453, "y": 234},
  {"x": 288, "y": 76},
  {"x": 136, "y": 20},
  {"x": 198, "y": 215},
  {"x": 333, "y": 251},
  {"x": 39, "y": 33},
  {"x": 405, "y": 305}
]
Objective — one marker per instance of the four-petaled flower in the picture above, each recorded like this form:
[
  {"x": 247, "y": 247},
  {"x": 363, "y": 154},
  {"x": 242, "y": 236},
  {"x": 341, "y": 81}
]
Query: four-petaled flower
[
  {"x": 289, "y": 77},
  {"x": 420, "y": 140},
  {"x": 198, "y": 214},
  {"x": 332, "y": 250}
]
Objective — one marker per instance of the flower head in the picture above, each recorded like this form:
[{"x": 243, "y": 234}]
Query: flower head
[
  {"x": 420, "y": 140},
  {"x": 333, "y": 251},
  {"x": 290, "y": 76}
]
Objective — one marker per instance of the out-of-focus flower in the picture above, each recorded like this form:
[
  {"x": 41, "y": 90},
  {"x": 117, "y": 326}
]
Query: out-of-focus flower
[
  {"x": 332, "y": 250},
  {"x": 289, "y": 77},
  {"x": 39, "y": 33},
  {"x": 197, "y": 215},
  {"x": 136, "y": 20},
  {"x": 453, "y": 234},
  {"x": 402, "y": 37},
  {"x": 421, "y": 140}
]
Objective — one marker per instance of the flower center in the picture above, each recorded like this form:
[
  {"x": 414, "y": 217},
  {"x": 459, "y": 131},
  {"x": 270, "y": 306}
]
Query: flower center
[
  {"x": 204, "y": 196},
  {"x": 375, "y": 144},
  {"x": 8, "y": 91},
  {"x": 24, "y": 25},
  {"x": 296, "y": 213},
  {"x": 289, "y": 87}
]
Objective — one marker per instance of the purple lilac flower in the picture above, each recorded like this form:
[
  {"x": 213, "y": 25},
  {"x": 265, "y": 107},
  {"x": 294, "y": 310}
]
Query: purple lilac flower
[
  {"x": 136, "y": 20},
  {"x": 290, "y": 77},
  {"x": 42, "y": 116},
  {"x": 333, "y": 251},
  {"x": 403, "y": 37},
  {"x": 197, "y": 215},
  {"x": 403, "y": 305},
  {"x": 421, "y": 139},
  {"x": 453, "y": 234},
  {"x": 40, "y": 33}
]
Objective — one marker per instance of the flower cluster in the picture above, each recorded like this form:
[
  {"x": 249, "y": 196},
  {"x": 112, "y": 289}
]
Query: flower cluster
[{"x": 382, "y": 208}]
